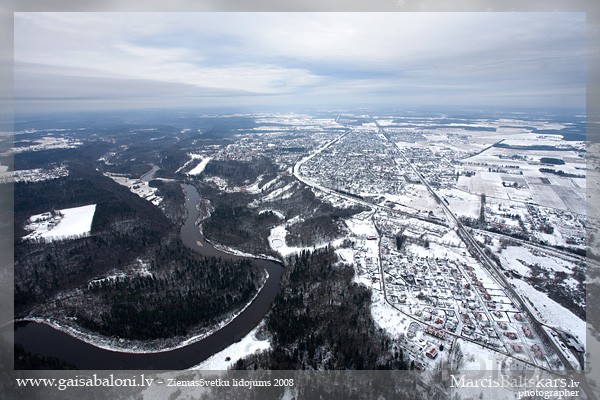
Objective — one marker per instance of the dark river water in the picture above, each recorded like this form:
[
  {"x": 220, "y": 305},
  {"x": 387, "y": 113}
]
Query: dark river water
[{"x": 44, "y": 340}]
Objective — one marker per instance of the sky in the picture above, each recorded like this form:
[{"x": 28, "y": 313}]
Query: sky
[{"x": 87, "y": 61}]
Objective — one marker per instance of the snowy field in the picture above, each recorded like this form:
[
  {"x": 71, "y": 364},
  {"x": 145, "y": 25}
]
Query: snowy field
[
  {"x": 388, "y": 318},
  {"x": 31, "y": 175},
  {"x": 46, "y": 143},
  {"x": 550, "y": 312},
  {"x": 362, "y": 227},
  {"x": 278, "y": 243},
  {"x": 38, "y": 174},
  {"x": 366, "y": 250},
  {"x": 479, "y": 362},
  {"x": 512, "y": 254},
  {"x": 497, "y": 166},
  {"x": 197, "y": 170},
  {"x": 415, "y": 197},
  {"x": 61, "y": 224},
  {"x": 137, "y": 186},
  {"x": 462, "y": 203},
  {"x": 479, "y": 358},
  {"x": 249, "y": 344}
]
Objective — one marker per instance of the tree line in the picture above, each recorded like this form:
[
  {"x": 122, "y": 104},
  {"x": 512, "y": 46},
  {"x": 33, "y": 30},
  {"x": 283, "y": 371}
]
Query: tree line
[
  {"x": 322, "y": 320},
  {"x": 124, "y": 226},
  {"x": 182, "y": 291}
]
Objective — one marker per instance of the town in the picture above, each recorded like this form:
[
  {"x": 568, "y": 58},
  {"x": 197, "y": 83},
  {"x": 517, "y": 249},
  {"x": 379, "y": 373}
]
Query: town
[
  {"x": 470, "y": 232},
  {"x": 467, "y": 221}
]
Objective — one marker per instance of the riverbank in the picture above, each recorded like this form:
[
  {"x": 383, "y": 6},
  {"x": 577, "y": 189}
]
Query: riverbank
[
  {"x": 139, "y": 346},
  {"x": 86, "y": 350},
  {"x": 234, "y": 252},
  {"x": 250, "y": 344}
]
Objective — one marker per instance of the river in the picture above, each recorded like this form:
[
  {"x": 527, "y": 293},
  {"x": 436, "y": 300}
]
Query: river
[{"x": 46, "y": 341}]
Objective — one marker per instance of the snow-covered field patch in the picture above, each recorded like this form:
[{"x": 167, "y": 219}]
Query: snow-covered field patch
[
  {"x": 31, "y": 175},
  {"x": 534, "y": 257},
  {"x": 549, "y": 311},
  {"x": 278, "y": 243},
  {"x": 479, "y": 358},
  {"x": 61, "y": 224},
  {"x": 387, "y": 317},
  {"x": 47, "y": 143},
  {"x": 361, "y": 227},
  {"x": 346, "y": 255},
  {"x": 462, "y": 203},
  {"x": 249, "y": 344},
  {"x": 282, "y": 193},
  {"x": 197, "y": 170},
  {"x": 137, "y": 186}
]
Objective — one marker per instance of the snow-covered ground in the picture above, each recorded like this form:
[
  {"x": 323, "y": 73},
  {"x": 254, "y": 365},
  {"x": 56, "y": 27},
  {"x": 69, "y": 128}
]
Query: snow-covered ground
[
  {"x": 387, "y": 317},
  {"x": 512, "y": 254},
  {"x": 479, "y": 363},
  {"x": 462, "y": 203},
  {"x": 236, "y": 252},
  {"x": 366, "y": 246},
  {"x": 46, "y": 143},
  {"x": 479, "y": 358},
  {"x": 61, "y": 224},
  {"x": 550, "y": 312},
  {"x": 137, "y": 186},
  {"x": 197, "y": 170},
  {"x": 142, "y": 269},
  {"x": 346, "y": 255},
  {"x": 38, "y": 175},
  {"x": 498, "y": 169},
  {"x": 278, "y": 243},
  {"x": 361, "y": 225},
  {"x": 282, "y": 193},
  {"x": 31, "y": 175},
  {"x": 192, "y": 158},
  {"x": 248, "y": 345}
]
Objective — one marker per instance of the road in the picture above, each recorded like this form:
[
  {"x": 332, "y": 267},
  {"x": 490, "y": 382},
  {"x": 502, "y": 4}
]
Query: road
[
  {"x": 474, "y": 247},
  {"x": 296, "y": 173},
  {"x": 465, "y": 235},
  {"x": 476, "y": 250},
  {"x": 356, "y": 200}
]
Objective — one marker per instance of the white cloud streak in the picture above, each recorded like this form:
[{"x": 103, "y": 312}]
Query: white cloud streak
[{"x": 329, "y": 56}]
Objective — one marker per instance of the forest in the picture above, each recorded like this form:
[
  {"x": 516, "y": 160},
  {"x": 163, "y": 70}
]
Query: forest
[
  {"x": 321, "y": 320},
  {"x": 234, "y": 222},
  {"x": 241, "y": 173},
  {"x": 561, "y": 173},
  {"x": 123, "y": 227},
  {"x": 173, "y": 203},
  {"x": 240, "y": 227},
  {"x": 181, "y": 291}
]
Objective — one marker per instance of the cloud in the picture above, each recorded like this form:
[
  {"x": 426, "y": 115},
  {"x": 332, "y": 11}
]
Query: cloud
[{"x": 326, "y": 56}]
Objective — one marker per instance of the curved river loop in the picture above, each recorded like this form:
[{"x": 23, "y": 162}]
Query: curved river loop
[{"x": 45, "y": 340}]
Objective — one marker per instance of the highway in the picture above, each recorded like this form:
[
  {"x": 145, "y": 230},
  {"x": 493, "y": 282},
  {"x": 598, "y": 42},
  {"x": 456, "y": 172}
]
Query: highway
[
  {"x": 296, "y": 173},
  {"x": 476, "y": 251},
  {"x": 468, "y": 239}
]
